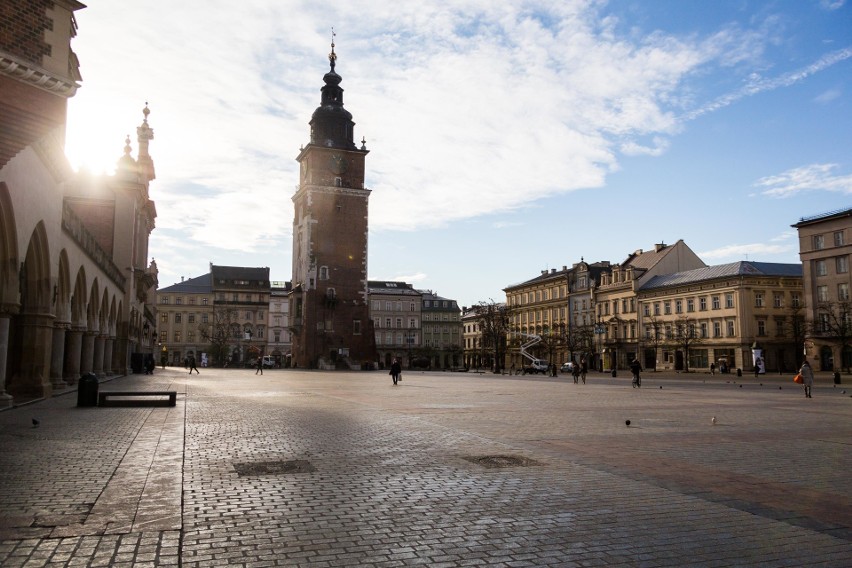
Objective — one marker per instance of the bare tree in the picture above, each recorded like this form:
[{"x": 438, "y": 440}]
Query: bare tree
[
  {"x": 685, "y": 337},
  {"x": 657, "y": 339},
  {"x": 219, "y": 332},
  {"x": 493, "y": 321},
  {"x": 834, "y": 324}
]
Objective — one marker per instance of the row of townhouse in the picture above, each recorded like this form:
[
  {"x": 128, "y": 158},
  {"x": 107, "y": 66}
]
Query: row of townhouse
[
  {"x": 417, "y": 327},
  {"x": 669, "y": 310},
  {"x": 664, "y": 307},
  {"x": 252, "y": 317},
  {"x": 231, "y": 315}
]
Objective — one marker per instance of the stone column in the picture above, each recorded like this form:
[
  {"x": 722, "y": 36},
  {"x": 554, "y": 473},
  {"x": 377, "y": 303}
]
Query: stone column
[
  {"x": 33, "y": 378},
  {"x": 98, "y": 357},
  {"x": 73, "y": 354},
  {"x": 5, "y": 399},
  {"x": 87, "y": 357},
  {"x": 108, "y": 347},
  {"x": 57, "y": 356}
]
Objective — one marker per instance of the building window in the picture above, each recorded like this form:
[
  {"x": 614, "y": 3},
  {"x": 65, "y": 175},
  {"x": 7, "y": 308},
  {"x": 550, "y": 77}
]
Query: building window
[
  {"x": 399, "y": 323},
  {"x": 717, "y": 329},
  {"x": 203, "y": 318},
  {"x": 822, "y": 293},
  {"x": 729, "y": 300},
  {"x": 388, "y": 323},
  {"x": 356, "y": 327},
  {"x": 842, "y": 264},
  {"x": 795, "y": 301},
  {"x": 323, "y": 273},
  {"x": 820, "y": 269},
  {"x": 191, "y": 318},
  {"x": 730, "y": 328},
  {"x": 778, "y": 300},
  {"x": 177, "y": 336},
  {"x": 702, "y": 304},
  {"x": 646, "y": 309},
  {"x": 162, "y": 337},
  {"x": 758, "y": 299},
  {"x": 761, "y": 327},
  {"x": 667, "y": 308},
  {"x": 843, "y": 292},
  {"x": 164, "y": 300},
  {"x": 190, "y": 336},
  {"x": 839, "y": 241},
  {"x": 819, "y": 242},
  {"x": 678, "y": 306},
  {"x": 716, "y": 303},
  {"x": 192, "y": 300},
  {"x": 203, "y": 301},
  {"x": 703, "y": 329},
  {"x": 164, "y": 317},
  {"x": 823, "y": 322},
  {"x": 690, "y": 305}
]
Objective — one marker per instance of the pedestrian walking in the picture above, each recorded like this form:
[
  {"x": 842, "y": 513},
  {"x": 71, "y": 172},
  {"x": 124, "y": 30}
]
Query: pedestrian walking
[
  {"x": 584, "y": 367},
  {"x": 712, "y": 368},
  {"x": 150, "y": 365},
  {"x": 575, "y": 372},
  {"x": 191, "y": 363},
  {"x": 807, "y": 378},
  {"x": 635, "y": 368},
  {"x": 259, "y": 366},
  {"x": 395, "y": 371}
]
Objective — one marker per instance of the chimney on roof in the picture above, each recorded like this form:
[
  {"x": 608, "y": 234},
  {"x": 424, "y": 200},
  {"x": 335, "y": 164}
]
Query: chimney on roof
[
  {"x": 181, "y": 278},
  {"x": 659, "y": 247},
  {"x": 564, "y": 267},
  {"x": 543, "y": 272}
]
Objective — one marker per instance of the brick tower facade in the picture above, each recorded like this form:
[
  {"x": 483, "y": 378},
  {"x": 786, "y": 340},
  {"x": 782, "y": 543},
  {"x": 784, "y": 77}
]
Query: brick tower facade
[{"x": 328, "y": 304}]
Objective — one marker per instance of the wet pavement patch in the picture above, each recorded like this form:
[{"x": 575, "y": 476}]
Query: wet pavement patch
[
  {"x": 246, "y": 469},
  {"x": 496, "y": 462}
]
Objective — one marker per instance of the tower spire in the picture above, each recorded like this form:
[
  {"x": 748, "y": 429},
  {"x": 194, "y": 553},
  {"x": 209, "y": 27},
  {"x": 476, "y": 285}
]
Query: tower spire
[{"x": 332, "y": 57}]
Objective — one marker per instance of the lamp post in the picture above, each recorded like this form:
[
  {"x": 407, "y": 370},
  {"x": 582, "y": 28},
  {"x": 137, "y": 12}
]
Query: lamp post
[{"x": 599, "y": 330}]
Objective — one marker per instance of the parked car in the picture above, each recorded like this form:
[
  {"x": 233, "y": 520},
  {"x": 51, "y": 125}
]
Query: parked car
[
  {"x": 268, "y": 361},
  {"x": 567, "y": 367}
]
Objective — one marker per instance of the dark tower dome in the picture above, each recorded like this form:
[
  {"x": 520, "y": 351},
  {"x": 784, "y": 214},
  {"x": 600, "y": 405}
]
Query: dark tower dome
[{"x": 331, "y": 124}]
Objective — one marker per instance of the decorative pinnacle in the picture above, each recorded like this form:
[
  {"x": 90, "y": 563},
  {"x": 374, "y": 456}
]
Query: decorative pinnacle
[{"x": 332, "y": 57}]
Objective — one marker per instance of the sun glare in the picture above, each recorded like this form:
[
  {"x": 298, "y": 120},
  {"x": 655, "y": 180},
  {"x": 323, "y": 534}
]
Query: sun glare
[{"x": 95, "y": 135}]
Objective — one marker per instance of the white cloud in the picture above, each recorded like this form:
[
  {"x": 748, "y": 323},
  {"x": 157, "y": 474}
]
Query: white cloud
[
  {"x": 814, "y": 177},
  {"x": 469, "y": 107},
  {"x": 828, "y": 96}
]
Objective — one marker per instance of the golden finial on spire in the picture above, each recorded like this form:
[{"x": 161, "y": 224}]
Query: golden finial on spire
[{"x": 332, "y": 56}]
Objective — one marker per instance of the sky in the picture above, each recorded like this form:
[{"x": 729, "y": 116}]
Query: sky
[{"x": 505, "y": 137}]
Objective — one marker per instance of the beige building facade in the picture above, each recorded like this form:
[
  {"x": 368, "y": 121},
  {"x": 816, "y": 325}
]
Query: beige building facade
[
  {"x": 395, "y": 310},
  {"x": 442, "y": 331},
  {"x": 825, "y": 248},
  {"x": 183, "y": 309},
  {"x": 733, "y": 316}
]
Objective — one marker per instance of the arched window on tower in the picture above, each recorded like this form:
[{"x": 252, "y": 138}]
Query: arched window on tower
[{"x": 323, "y": 273}]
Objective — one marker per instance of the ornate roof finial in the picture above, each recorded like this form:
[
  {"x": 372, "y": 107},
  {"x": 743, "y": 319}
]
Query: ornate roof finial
[
  {"x": 332, "y": 56},
  {"x": 127, "y": 148}
]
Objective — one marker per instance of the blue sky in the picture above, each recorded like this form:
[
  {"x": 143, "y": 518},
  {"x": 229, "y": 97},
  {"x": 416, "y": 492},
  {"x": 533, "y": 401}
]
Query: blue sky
[{"x": 505, "y": 138}]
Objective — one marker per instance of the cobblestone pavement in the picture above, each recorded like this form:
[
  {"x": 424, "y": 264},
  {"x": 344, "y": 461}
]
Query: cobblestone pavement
[{"x": 304, "y": 468}]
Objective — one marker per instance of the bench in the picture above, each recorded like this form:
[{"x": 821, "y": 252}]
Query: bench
[{"x": 137, "y": 398}]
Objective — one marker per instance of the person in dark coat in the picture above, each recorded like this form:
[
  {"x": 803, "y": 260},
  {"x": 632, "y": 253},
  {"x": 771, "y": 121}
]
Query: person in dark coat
[
  {"x": 192, "y": 365},
  {"x": 259, "y": 366},
  {"x": 395, "y": 371},
  {"x": 635, "y": 368}
]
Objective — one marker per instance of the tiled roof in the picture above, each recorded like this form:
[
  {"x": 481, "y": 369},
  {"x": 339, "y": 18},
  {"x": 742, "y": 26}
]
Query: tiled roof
[
  {"x": 197, "y": 285},
  {"x": 240, "y": 273},
  {"x": 387, "y": 287},
  {"x": 741, "y": 268}
]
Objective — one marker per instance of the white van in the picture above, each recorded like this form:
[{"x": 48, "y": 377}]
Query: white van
[{"x": 268, "y": 361}]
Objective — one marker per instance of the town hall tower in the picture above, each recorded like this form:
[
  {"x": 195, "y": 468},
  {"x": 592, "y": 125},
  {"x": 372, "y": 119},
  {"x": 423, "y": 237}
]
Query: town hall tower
[{"x": 328, "y": 304}]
